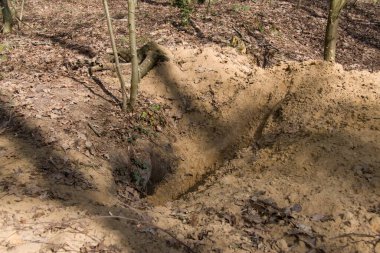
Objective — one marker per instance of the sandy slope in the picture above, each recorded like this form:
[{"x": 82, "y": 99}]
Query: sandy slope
[{"x": 320, "y": 150}]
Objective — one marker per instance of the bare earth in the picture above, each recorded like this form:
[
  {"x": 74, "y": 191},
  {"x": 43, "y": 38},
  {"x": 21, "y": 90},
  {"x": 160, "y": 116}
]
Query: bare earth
[{"x": 221, "y": 155}]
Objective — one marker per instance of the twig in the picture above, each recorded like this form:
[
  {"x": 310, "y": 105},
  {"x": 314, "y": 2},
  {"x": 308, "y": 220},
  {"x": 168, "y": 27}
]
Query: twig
[
  {"x": 6, "y": 194},
  {"x": 357, "y": 235},
  {"x": 154, "y": 226},
  {"x": 97, "y": 240},
  {"x": 240, "y": 35},
  {"x": 372, "y": 239},
  {"x": 237, "y": 31},
  {"x": 196, "y": 28},
  {"x": 61, "y": 246},
  {"x": 8, "y": 237},
  {"x": 101, "y": 68},
  {"x": 54, "y": 163},
  {"x": 94, "y": 129},
  {"x": 105, "y": 66}
]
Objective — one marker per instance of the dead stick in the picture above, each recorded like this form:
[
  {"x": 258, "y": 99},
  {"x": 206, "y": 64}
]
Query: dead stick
[
  {"x": 357, "y": 235},
  {"x": 6, "y": 194},
  {"x": 94, "y": 129}
]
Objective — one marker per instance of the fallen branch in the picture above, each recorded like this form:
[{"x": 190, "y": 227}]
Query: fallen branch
[
  {"x": 94, "y": 129},
  {"x": 106, "y": 66},
  {"x": 366, "y": 238},
  {"x": 240, "y": 35},
  {"x": 357, "y": 235},
  {"x": 197, "y": 29}
]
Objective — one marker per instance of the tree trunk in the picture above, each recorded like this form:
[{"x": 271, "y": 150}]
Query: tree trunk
[
  {"x": 299, "y": 4},
  {"x": 22, "y": 10},
  {"x": 135, "y": 63},
  {"x": 7, "y": 16},
  {"x": 114, "y": 49},
  {"x": 332, "y": 27},
  {"x": 208, "y": 7}
]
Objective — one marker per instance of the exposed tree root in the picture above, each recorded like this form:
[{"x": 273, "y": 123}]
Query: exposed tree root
[{"x": 148, "y": 56}]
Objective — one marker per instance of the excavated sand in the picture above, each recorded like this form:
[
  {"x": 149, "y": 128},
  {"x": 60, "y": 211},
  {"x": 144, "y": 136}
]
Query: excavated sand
[{"x": 317, "y": 151}]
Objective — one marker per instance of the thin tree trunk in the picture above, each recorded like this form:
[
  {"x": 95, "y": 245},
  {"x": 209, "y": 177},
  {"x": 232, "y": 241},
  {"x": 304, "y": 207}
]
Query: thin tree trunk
[
  {"x": 299, "y": 4},
  {"x": 7, "y": 16},
  {"x": 114, "y": 49},
  {"x": 135, "y": 63},
  {"x": 331, "y": 29},
  {"x": 22, "y": 10},
  {"x": 208, "y": 7}
]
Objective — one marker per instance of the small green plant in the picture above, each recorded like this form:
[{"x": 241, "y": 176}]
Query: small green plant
[
  {"x": 258, "y": 24},
  {"x": 124, "y": 40},
  {"x": 136, "y": 178},
  {"x": 140, "y": 164},
  {"x": 274, "y": 30},
  {"x": 3, "y": 58},
  {"x": 3, "y": 49},
  {"x": 144, "y": 115},
  {"x": 142, "y": 130},
  {"x": 155, "y": 107},
  {"x": 261, "y": 28},
  {"x": 185, "y": 9},
  {"x": 185, "y": 15},
  {"x": 241, "y": 8},
  {"x": 142, "y": 40},
  {"x": 132, "y": 139}
]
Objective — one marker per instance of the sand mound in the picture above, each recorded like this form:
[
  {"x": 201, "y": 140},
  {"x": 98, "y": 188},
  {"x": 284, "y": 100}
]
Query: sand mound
[{"x": 316, "y": 148}]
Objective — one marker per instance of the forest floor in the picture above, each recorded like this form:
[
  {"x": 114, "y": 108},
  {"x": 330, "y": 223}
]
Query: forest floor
[{"x": 269, "y": 151}]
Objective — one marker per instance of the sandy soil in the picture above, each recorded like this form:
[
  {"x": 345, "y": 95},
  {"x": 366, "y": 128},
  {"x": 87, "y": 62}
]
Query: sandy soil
[{"x": 220, "y": 155}]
